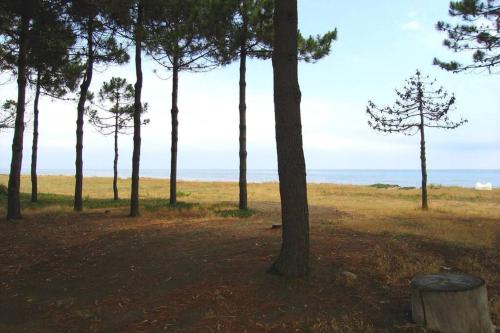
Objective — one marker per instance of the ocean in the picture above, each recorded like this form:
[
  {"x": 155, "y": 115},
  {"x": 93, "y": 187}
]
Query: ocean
[{"x": 463, "y": 178}]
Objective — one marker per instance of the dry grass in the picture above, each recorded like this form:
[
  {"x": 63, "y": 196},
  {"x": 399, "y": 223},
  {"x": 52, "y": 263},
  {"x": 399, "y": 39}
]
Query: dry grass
[
  {"x": 200, "y": 267},
  {"x": 458, "y": 215}
]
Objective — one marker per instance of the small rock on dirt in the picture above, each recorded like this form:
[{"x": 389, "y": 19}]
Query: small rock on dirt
[{"x": 349, "y": 275}]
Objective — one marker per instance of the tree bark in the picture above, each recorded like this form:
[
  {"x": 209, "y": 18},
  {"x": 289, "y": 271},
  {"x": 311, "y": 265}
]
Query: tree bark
[
  {"x": 115, "y": 161},
  {"x": 136, "y": 155},
  {"x": 84, "y": 88},
  {"x": 423, "y": 162},
  {"x": 13, "y": 199},
  {"x": 294, "y": 256},
  {"x": 34, "y": 147},
  {"x": 243, "y": 127},
  {"x": 175, "y": 124}
]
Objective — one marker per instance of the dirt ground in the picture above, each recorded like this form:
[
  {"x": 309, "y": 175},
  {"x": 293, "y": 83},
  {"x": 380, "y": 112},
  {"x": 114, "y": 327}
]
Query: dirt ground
[{"x": 195, "y": 269}]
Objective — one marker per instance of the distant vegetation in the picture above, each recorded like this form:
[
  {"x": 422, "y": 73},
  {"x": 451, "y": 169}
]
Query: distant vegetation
[{"x": 380, "y": 185}]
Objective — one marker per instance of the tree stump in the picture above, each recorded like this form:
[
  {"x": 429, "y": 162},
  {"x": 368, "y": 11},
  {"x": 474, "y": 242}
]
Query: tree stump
[{"x": 451, "y": 303}]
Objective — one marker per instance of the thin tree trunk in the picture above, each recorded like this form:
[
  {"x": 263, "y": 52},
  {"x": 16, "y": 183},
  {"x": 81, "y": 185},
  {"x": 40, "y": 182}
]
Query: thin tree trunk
[
  {"x": 13, "y": 199},
  {"x": 84, "y": 88},
  {"x": 243, "y": 127},
  {"x": 136, "y": 155},
  {"x": 423, "y": 162},
  {"x": 294, "y": 256},
  {"x": 175, "y": 125},
  {"x": 115, "y": 161},
  {"x": 34, "y": 147}
]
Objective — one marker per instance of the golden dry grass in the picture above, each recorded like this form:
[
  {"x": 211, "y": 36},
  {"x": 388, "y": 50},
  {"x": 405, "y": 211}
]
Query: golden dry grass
[{"x": 460, "y": 216}]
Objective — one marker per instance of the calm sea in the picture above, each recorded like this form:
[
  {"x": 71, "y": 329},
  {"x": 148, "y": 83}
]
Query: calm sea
[{"x": 464, "y": 178}]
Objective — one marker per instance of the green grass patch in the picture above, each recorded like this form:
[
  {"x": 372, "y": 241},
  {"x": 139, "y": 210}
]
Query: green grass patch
[
  {"x": 154, "y": 204},
  {"x": 239, "y": 213},
  {"x": 181, "y": 194},
  {"x": 47, "y": 200},
  {"x": 3, "y": 190},
  {"x": 381, "y": 185}
]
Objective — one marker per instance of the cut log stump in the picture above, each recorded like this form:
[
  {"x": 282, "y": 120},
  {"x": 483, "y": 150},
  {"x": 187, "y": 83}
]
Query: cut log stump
[{"x": 454, "y": 303}]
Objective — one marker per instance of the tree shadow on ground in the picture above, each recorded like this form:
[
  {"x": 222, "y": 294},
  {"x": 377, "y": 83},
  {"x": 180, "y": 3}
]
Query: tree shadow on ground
[{"x": 199, "y": 272}]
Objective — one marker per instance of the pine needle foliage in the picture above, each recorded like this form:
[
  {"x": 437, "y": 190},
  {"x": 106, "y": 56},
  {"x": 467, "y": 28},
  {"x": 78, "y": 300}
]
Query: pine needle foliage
[{"x": 477, "y": 34}]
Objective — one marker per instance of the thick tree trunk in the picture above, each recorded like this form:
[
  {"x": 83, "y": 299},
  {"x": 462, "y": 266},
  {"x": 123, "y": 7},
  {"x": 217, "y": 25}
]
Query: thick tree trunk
[
  {"x": 136, "y": 155},
  {"x": 243, "y": 128},
  {"x": 115, "y": 161},
  {"x": 423, "y": 162},
  {"x": 34, "y": 147},
  {"x": 84, "y": 88},
  {"x": 294, "y": 257},
  {"x": 13, "y": 199},
  {"x": 175, "y": 124}
]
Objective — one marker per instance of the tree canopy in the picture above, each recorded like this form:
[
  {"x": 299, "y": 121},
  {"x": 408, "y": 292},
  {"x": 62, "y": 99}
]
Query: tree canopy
[
  {"x": 418, "y": 98},
  {"x": 114, "y": 108},
  {"x": 477, "y": 34},
  {"x": 7, "y": 114}
]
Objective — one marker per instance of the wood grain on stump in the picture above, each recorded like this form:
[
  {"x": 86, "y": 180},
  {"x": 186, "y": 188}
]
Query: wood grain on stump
[{"x": 451, "y": 303}]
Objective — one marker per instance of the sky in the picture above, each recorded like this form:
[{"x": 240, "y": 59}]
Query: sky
[{"x": 380, "y": 44}]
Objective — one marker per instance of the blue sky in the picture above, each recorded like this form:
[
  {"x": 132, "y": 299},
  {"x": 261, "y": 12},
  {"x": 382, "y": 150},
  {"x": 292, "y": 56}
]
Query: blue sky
[{"x": 380, "y": 44}]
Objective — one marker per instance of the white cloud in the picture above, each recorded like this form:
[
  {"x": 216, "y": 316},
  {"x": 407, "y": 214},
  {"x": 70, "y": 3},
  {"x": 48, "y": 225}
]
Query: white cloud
[{"x": 412, "y": 25}]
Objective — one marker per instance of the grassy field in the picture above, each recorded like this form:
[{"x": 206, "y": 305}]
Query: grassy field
[{"x": 200, "y": 266}]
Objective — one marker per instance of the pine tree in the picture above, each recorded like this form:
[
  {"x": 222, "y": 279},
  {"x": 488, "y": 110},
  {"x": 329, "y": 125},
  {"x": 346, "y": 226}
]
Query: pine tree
[
  {"x": 293, "y": 259},
  {"x": 113, "y": 115},
  {"x": 419, "y": 105},
  {"x": 250, "y": 35},
  {"x": 16, "y": 24},
  {"x": 479, "y": 34},
  {"x": 97, "y": 44},
  {"x": 49, "y": 73},
  {"x": 132, "y": 18},
  {"x": 181, "y": 41}
]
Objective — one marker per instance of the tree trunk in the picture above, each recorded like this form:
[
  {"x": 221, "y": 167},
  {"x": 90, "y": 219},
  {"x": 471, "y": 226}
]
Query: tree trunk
[
  {"x": 13, "y": 199},
  {"x": 84, "y": 88},
  {"x": 423, "y": 162},
  {"x": 294, "y": 256},
  {"x": 136, "y": 155},
  {"x": 243, "y": 127},
  {"x": 34, "y": 147},
  {"x": 455, "y": 303},
  {"x": 175, "y": 125},
  {"x": 115, "y": 161}
]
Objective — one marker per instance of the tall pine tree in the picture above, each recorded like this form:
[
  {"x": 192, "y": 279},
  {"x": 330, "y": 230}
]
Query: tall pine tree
[
  {"x": 182, "y": 39},
  {"x": 97, "y": 44},
  {"x": 49, "y": 70},
  {"x": 250, "y": 35},
  {"x": 132, "y": 18},
  {"x": 19, "y": 22},
  {"x": 293, "y": 259}
]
